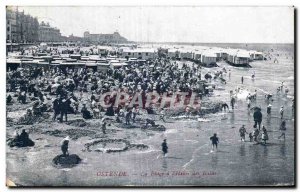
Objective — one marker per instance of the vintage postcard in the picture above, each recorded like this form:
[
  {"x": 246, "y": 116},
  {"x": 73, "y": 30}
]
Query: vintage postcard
[{"x": 150, "y": 96}]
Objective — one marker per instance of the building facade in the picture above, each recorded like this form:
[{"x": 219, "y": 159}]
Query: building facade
[
  {"x": 48, "y": 33},
  {"x": 104, "y": 38},
  {"x": 11, "y": 25},
  {"x": 20, "y": 27}
]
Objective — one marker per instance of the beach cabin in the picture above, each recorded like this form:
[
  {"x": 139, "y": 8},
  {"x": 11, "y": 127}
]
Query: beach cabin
[
  {"x": 103, "y": 67},
  {"x": 12, "y": 64},
  {"x": 116, "y": 64},
  {"x": 239, "y": 58},
  {"x": 139, "y": 53},
  {"x": 75, "y": 56},
  {"x": 91, "y": 65},
  {"x": 208, "y": 57},
  {"x": 72, "y": 65},
  {"x": 185, "y": 54},
  {"x": 106, "y": 50},
  {"x": 220, "y": 53},
  {"x": 197, "y": 55},
  {"x": 173, "y": 53},
  {"x": 43, "y": 46},
  {"x": 255, "y": 55}
]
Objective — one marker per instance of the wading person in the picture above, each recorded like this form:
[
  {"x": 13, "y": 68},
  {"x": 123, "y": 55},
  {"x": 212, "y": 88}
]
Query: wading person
[
  {"x": 242, "y": 80},
  {"x": 282, "y": 129},
  {"x": 224, "y": 107},
  {"x": 250, "y": 137},
  {"x": 164, "y": 147},
  {"x": 214, "y": 141},
  {"x": 232, "y": 102},
  {"x": 281, "y": 112},
  {"x": 248, "y": 103},
  {"x": 269, "y": 109},
  {"x": 257, "y": 116},
  {"x": 255, "y": 134},
  {"x": 242, "y": 131},
  {"x": 264, "y": 135}
]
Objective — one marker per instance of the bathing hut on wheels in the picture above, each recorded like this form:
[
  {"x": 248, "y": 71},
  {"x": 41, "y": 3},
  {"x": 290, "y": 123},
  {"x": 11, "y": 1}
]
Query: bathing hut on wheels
[{"x": 238, "y": 58}]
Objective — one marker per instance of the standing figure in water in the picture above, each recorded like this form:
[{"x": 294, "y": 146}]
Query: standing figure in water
[
  {"x": 264, "y": 135},
  {"x": 232, "y": 102},
  {"x": 257, "y": 116},
  {"x": 164, "y": 147},
  {"x": 242, "y": 80},
  {"x": 282, "y": 129},
  {"x": 255, "y": 134},
  {"x": 281, "y": 112},
  {"x": 242, "y": 131},
  {"x": 214, "y": 141},
  {"x": 253, "y": 75},
  {"x": 269, "y": 109}
]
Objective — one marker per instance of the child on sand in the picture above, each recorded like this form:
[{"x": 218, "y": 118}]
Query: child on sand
[
  {"x": 214, "y": 140},
  {"x": 164, "y": 147}
]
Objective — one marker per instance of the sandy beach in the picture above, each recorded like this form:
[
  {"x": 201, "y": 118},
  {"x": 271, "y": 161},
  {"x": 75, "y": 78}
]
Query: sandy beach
[{"x": 190, "y": 160}]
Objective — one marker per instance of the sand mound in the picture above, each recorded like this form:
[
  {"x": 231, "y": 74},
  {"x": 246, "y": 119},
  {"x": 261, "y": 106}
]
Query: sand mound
[
  {"x": 77, "y": 123},
  {"x": 155, "y": 128},
  {"x": 73, "y": 133},
  {"x": 113, "y": 145},
  {"x": 33, "y": 119},
  {"x": 66, "y": 161},
  {"x": 12, "y": 142}
]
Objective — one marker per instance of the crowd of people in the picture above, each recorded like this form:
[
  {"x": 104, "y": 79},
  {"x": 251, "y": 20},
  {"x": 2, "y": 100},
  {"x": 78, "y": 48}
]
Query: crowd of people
[{"x": 71, "y": 90}]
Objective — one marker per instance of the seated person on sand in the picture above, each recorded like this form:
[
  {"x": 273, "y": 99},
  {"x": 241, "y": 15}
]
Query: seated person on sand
[
  {"x": 86, "y": 114},
  {"x": 26, "y": 117},
  {"x": 150, "y": 122},
  {"x": 22, "y": 140},
  {"x": 9, "y": 99},
  {"x": 22, "y": 97}
]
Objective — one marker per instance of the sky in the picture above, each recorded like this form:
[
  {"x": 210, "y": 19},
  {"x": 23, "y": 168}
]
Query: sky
[{"x": 174, "y": 24}]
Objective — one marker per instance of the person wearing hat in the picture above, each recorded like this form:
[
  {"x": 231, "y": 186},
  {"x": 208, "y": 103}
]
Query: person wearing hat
[
  {"x": 242, "y": 131},
  {"x": 164, "y": 147},
  {"x": 65, "y": 146}
]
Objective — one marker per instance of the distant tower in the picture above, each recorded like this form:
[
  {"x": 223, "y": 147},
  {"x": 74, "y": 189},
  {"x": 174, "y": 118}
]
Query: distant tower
[{"x": 86, "y": 34}]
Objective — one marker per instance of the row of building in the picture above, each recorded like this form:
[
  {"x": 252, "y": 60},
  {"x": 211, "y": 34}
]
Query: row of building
[{"x": 23, "y": 28}]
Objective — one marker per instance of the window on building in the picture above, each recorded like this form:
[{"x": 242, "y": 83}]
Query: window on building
[
  {"x": 129, "y": 53},
  {"x": 147, "y": 54},
  {"x": 140, "y": 53},
  {"x": 8, "y": 28},
  {"x": 7, "y": 36}
]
